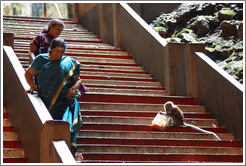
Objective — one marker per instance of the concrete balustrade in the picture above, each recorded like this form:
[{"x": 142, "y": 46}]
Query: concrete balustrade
[{"x": 220, "y": 93}]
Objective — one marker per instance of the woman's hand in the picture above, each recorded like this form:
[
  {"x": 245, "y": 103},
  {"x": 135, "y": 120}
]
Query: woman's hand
[
  {"x": 71, "y": 92},
  {"x": 32, "y": 90},
  {"x": 29, "y": 78}
]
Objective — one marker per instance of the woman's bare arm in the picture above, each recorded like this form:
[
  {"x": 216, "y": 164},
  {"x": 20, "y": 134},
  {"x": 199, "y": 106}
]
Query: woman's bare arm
[
  {"x": 33, "y": 49},
  {"x": 29, "y": 78}
]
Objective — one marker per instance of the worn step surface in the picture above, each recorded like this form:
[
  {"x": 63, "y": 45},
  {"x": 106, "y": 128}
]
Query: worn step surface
[
  {"x": 122, "y": 100},
  {"x": 157, "y": 158},
  {"x": 151, "y": 134}
]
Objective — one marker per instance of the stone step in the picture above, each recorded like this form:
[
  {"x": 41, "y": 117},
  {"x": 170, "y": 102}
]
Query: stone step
[
  {"x": 93, "y": 59},
  {"x": 108, "y": 68},
  {"x": 22, "y": 25},
  {"x": 83, "y": 52},
  {"x": 68, "y": 39},
  {"x": 74, "y": 45},
  {"x": 114, "y": 113},
  {"x": 144, "y": 120},
  {"x": 8, "y": 128},
  {"x": 110, "y": 98},
  {"x": 39, "y": 23},
  {"x": 105, "y": 157},
  {"x": 128, "y": 91},
  {"x": 67, "y": 32},
  {"x": 139, "y": 107},
  {"x": 11, "y": 144},
  {"x": 7, "y": 122},
  {"x": 151, "y": 134},
  {"x": 10, "y": 136},
  {"x": 36, "y": 20},
  {"x": 112, "y": 75},
  {"x": 15, "y": 160},
  {"x": 13, "y": 152},
  {"x": 128, "y": 94},
  {"x": 126, "y": 87},
  {"x": 5, "y": 115},
  {"x": 157, "y": 142},
  {"x": 139, "y": 127},
  {"x": 26, "y": 18},
  {"x": 91, "y": 47},
  {"x": 117, "y": 78},
  {"x": 124, "y": 149},
  {"x": 121, "y": 83}
]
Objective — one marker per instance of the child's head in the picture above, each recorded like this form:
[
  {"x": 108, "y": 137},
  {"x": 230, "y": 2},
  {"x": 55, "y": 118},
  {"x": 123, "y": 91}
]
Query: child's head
[{"x": 54, "y": 28}]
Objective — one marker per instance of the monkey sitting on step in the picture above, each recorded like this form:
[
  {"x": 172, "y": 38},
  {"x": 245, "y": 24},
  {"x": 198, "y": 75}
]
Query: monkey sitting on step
[{"x": 176, "y": 118}]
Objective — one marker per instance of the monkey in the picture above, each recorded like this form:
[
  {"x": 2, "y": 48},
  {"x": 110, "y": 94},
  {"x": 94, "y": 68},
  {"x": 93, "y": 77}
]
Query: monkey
[{"x": 176, "y": 118}]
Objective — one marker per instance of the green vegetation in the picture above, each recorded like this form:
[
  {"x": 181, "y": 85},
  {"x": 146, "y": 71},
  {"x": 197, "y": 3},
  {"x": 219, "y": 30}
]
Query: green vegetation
[
  {"x": 208, "y": 23},
  {"x": 228, "y": 11}
]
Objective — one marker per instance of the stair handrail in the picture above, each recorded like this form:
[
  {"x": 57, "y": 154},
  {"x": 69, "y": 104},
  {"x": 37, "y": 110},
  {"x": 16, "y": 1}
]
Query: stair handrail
[{"x": 30, "y": 116}]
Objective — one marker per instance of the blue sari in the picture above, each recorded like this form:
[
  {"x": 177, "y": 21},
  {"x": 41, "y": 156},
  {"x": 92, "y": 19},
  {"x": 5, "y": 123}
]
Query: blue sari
[{"x": 54, "y": 80}]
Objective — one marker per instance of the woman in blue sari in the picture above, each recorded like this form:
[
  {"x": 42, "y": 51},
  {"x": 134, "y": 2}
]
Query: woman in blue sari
[{"x": 58, "y": 82}]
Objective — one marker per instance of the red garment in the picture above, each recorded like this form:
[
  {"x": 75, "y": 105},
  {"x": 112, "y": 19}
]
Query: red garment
[{"x": 47, "y": 40}]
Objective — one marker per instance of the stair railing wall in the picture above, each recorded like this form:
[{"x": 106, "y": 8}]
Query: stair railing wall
[
  {"x": 220, "y": 93},
  {"x": 29, "y": 115}
]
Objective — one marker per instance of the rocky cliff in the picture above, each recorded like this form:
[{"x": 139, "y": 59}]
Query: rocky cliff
[{"x": 218, "y": 25}]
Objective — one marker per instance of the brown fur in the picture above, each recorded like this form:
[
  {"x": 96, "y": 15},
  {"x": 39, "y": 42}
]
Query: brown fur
[{"x": 176, "y": 118}]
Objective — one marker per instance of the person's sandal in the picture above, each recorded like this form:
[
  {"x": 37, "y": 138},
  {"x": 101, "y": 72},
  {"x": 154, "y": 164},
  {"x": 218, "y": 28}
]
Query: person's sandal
[{"x": 78, "y": 156}]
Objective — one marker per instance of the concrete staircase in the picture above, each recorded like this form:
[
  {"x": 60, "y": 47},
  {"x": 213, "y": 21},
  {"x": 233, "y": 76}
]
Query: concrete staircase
[
  {"x": 123, "y": 100},
  {"x": 12, "y": 150}
]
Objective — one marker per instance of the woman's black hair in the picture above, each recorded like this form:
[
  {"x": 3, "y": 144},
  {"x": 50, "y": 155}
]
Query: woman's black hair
[
  {"x": 52, "y": 22},
  {"x": 57, "y": 42}
]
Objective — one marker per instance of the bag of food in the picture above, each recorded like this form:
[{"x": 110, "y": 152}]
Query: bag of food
[{"x": 160, "y": 121}]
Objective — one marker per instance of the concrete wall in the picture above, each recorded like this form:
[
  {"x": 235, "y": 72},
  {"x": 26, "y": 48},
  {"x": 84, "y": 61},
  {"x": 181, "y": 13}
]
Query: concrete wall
[
  {"x": 150, "y": 11},
  {"x": 221, "y": 95},
  {"x": 90, "y": 20},
  {"x": 84, "y": 8},
  {"x": 88, "y": 13},
  {"x": 146, "y": 46}
]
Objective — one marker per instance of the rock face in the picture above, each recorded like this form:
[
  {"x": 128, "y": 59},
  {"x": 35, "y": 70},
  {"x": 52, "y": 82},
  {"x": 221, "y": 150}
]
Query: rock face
[{"x": 218, "y": 25}]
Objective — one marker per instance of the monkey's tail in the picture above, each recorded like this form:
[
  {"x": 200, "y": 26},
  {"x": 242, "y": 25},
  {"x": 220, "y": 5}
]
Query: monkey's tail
[{"x": 199, "y": 129}]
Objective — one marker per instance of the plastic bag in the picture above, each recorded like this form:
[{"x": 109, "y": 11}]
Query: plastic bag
[{"x": 160, "y": 121}]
